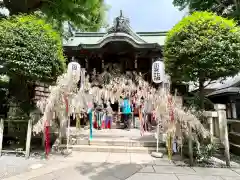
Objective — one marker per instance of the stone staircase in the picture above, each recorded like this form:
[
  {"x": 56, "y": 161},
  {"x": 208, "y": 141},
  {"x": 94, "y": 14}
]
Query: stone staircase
[{"x": 116, "y": 140}]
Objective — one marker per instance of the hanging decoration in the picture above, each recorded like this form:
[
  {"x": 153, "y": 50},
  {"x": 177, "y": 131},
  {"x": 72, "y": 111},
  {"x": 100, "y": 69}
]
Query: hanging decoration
[
  {"x": 47, "y": 139},
  {"x": 167, "y": 111},
  {"x": 90, "y": 113},
  {"x": 91, "y": 124}
]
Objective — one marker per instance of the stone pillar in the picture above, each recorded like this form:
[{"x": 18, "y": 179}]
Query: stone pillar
[
  {"x": 210, "y": 115},
  {"x": 210, "y": 122},
  {"x": 222, "y": 120},
  {"x": 234, "y": 111}
]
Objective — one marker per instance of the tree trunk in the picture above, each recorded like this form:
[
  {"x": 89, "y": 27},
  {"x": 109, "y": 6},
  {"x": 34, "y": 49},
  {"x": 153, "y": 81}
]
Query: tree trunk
[{"x": 201, "y": 94}]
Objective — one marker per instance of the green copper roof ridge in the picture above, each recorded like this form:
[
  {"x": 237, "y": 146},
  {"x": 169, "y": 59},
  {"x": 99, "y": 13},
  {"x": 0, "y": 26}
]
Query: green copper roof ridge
[{"x": 100, "y": 34}]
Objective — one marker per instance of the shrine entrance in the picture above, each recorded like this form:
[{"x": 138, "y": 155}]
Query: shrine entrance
[
  {"x": 119, "y": 46},
  {"x": 119, "y": 50}
]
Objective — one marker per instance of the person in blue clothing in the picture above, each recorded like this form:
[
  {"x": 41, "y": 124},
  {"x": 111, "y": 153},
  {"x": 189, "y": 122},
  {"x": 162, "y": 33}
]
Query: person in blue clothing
[{"x": 126, "y": 111}]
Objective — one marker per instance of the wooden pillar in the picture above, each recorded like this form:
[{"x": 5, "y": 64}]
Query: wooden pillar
[
  {"x": 86, "y": 64},
  {"x": 136, "y": 62},
  {"x": 102, "y": 65},
  {"x": 152, "y": 61}
]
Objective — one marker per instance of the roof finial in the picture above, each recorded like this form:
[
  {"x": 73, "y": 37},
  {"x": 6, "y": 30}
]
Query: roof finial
[{"x": 121, "y": 14}]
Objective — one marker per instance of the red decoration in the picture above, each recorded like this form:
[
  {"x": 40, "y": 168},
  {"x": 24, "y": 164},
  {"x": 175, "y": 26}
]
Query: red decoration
[
  {"x": 95, "y": 124},
  {"x": 47, "y": 139},
  {"x": 109, "y": 124},
  {"x": 103, "y": 124}
]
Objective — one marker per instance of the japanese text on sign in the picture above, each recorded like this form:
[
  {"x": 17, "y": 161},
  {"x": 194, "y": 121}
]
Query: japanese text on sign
[
  {"x": 157, "y": 72},
  {"x": 74, "y": 67}
]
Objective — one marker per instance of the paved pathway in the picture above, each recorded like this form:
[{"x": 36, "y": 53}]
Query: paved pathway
[
  {"x": 11, "y": 165},
  {"x": 118, "y": 166}
]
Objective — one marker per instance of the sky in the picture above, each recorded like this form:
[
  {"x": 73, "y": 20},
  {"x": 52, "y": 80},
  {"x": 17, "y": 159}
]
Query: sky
[{"x": 146, "y": 15}]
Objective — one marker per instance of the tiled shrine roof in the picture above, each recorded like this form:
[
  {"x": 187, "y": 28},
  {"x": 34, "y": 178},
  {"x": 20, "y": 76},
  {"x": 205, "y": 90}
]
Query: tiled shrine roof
[{"x": 119, "y": 31}]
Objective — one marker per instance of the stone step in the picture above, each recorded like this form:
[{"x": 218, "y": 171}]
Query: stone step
[
  {"x": 118, "y": 142},
  {"x": 116, "y": 149}
]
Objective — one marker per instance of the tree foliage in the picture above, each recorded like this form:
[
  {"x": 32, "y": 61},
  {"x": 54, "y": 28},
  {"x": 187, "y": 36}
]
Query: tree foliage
[
  {"x": 225, "y": 8},
  {"x": 31, "y": 50},
  {"x": 83, "y": 14},
  {"x": 202, "y": 47}
]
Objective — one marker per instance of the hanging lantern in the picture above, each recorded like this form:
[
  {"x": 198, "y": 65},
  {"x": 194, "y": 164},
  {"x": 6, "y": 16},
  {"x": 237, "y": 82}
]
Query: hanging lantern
[
  {"x": 74, "y": 69},
  {"x": 158, "y": 71}
]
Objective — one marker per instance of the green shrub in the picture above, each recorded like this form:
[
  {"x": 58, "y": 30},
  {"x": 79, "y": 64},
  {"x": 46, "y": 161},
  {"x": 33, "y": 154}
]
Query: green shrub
[{"x": 31, "y": 50}]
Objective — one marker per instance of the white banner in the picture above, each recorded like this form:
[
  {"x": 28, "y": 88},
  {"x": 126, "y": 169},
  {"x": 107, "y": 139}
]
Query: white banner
[{"x": 158, "y": 72}]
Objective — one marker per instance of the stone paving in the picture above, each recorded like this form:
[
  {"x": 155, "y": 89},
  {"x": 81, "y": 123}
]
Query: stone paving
[
  {"x": 120, "y": 166},
  {"x": 11, "y": 165}
]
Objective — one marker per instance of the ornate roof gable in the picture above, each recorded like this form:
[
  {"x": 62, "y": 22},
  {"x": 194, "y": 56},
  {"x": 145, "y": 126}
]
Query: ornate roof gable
[{"x": 121, "y": 24}]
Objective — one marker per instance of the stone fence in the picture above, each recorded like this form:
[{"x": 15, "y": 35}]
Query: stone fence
[{"x": 218, "y": 127}]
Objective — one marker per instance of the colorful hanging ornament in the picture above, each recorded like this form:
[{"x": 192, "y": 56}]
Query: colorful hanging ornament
[
  {"x": 90, "y": 112},
  {"x": 47, "y": 139},
  {"x": 91, "y": 123}
]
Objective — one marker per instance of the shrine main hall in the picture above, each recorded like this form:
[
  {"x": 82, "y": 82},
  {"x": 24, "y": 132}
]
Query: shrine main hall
[{"x": 119, "y": 45}]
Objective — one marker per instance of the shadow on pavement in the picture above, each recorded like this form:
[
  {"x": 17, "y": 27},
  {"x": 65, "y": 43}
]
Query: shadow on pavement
[{"x": 108, "y": 171}]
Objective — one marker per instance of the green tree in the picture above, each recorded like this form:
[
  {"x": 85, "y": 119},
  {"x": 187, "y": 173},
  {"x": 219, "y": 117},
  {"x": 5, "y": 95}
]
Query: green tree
[
  {"x": 201, "y": 48},
  {"x": 225, "y": 8},
  {"x": 30, "y": 51},
  {"x": 82, "y": 14}
]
